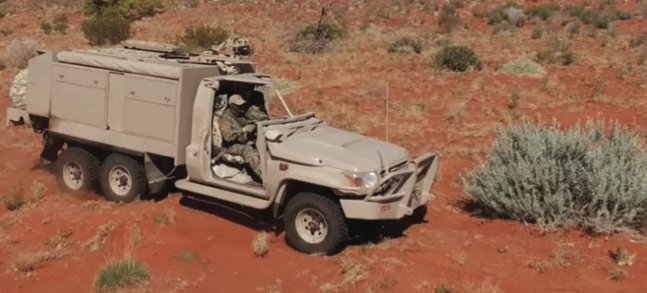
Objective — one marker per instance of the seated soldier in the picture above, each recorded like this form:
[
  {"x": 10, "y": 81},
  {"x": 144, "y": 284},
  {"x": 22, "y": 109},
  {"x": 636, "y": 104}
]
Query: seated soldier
[{"x": 238, "y": 128}]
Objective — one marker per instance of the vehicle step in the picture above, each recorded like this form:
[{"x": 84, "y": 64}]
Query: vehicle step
[{"x": 221, "y": 194}]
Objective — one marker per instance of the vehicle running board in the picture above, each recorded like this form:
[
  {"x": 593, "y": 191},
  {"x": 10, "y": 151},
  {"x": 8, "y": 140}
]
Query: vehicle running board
[{"x": 222, "y": 194}]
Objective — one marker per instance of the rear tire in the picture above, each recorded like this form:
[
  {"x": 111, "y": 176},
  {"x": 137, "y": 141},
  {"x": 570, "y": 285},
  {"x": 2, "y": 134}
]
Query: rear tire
[
  {"x": 77, "y": 170},
  {"x": 123, "y": 179},
  {"x": 315, "y": 224}
]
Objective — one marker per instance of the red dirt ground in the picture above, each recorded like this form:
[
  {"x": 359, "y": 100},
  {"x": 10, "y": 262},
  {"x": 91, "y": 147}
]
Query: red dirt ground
[{"x": 455, "y": 114}]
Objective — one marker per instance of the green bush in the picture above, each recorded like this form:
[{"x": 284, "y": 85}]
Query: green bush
[
  {"x": 594, "y": 177},
  {"x": 131, "y": 9},
  {"x": 315, "y": 39},
  {"x": 544, "y": 11},
  {"x": 600, "y": 18},
  {"x": 46, "y": 27},
  {"x": 405, "y": 45},
  {"x": 510, "y": 13},
  {"x": 121, "y": 274},
  {"x": 60, "y": 23},
  {"x": 106, "y": 29},
  {"x": 457, "y": 58},
  {"x": 200, "y": 38}
]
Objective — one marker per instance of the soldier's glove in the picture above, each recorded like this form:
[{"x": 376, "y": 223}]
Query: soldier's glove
[{"x": 249, "y": 128}]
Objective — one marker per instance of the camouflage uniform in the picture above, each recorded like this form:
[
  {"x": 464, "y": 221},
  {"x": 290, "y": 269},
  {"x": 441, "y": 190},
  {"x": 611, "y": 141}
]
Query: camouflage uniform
[{"x": 237, "y": 136}]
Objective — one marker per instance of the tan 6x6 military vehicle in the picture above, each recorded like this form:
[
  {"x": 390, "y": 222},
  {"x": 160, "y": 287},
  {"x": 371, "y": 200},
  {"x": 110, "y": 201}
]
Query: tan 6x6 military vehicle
[{"x": 133, "y": 121}]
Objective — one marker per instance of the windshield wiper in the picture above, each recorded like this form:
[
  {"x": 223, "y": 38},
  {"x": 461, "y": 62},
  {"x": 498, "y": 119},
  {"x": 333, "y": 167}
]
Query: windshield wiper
[{"x": 316, "y": 124}]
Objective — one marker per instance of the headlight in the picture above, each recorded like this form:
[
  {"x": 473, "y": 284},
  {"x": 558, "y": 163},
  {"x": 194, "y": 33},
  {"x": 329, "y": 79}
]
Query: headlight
[{"x": 364, "y": 181}]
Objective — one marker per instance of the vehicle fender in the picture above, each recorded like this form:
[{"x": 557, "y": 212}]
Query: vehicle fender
[{"x": 307, "y": 180}]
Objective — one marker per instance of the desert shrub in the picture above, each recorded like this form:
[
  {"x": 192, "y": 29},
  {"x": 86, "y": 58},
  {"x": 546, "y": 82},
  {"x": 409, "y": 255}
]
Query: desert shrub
[
  {"x": 405, "y": 45},
  {"x": 199, "y": 38},
  {"x": 600, "y": 18},
  {"x": 20, "y": 51},
  {"x": 131, "y": 9},
  {"x": 523, "y": 67},
  {"x": 106, "y": 29},
  {"x": 121, "y": 274},
  {"x": 592, "y": 176},
  {"x": 457, "y": 58},
  {"x": 510, "y": 14},
  {"x": 46, "y": 27},
  {"x": 60, "y": 23},
  {"x": 448, "y": 17},
  {"x": 543, "y": 11},
  {"x": 315, "y": 39},
  {"x": 557, "y": 52}
]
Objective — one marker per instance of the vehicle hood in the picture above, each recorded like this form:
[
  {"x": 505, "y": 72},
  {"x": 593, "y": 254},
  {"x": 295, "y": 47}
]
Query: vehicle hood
[{"x": 339, "y": 149}]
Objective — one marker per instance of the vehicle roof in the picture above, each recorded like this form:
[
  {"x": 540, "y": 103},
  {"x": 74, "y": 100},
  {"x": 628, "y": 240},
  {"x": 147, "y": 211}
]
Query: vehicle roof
[{"x": 140, "y": 64}]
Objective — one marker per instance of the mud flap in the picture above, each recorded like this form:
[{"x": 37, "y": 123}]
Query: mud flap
[
  {"x": 156, "y": 179},
  {"x": 51, "y": 146}
]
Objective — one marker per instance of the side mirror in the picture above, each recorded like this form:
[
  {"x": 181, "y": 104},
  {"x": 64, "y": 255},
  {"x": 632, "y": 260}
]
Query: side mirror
[{"x": 273, "y": 135}]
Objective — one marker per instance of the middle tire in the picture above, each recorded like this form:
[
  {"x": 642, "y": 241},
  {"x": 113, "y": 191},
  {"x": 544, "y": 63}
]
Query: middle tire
[{"x": 122, "y": 179}]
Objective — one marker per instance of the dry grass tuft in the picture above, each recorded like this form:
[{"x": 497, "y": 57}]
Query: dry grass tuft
[
  {"x": 6, "y": 240},
  {"x": 459, "y": 258},
  {"x": 31, "y": 261},
  {"x": 383, "y": 284},
  {"x": 16, "y": 200},
  {"x": 60, "y": 240},
  {"x": 38, "y": 191},
  {"x": 353, "y": 272},
  {"x": 95, "y": 243},
  {"x": 166, "y": 218},
  {"x": 260, "y": 244},
  {"x": 622, "y": 257},
  {"x": 523, "y": 66},
  {"x": 562, "y": 256},
  {"x": 482, "y": 287},
  {"x": 618, "y": 274},
  {"x": 187, "y": 256}
]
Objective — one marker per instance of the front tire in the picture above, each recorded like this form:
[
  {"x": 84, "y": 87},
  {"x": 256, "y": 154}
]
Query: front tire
[
  {"x": 123, "y": 179},
  {"x": 315, "y": 224},
  {"x": 77, "y": 170}
]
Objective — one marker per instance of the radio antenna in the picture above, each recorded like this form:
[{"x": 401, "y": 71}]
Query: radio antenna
[{"x": 387, "y": 111}]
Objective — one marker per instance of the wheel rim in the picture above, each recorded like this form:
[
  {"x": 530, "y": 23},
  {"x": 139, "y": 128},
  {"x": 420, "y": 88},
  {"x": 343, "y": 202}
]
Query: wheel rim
[
  {"x": 73, "y": 175},
  {"x": 120, "y": 180},
  {"x": 311, "y": 226}
]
